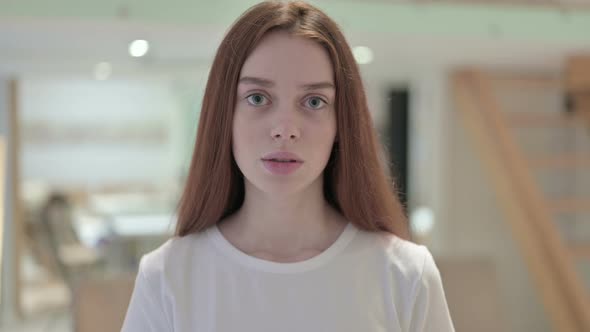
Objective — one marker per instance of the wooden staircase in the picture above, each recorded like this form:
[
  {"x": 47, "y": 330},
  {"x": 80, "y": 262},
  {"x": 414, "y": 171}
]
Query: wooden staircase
[{"x": 499, "y": 111}]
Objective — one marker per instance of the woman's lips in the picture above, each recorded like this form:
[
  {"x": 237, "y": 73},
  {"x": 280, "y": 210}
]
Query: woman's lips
[
  {"x": 282, "y": 156},
  {"x": 281, "y": 167},
  {"x": 281, "y": 163}
]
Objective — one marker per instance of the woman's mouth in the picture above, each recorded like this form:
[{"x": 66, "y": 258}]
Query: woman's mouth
[
  {"x": 282, "y": 160},
  {"x": 281, "y": 163}
]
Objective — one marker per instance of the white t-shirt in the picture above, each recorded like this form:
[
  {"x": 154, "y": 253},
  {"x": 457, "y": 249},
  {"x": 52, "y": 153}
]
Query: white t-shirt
[{"x": 363, "y": 282}]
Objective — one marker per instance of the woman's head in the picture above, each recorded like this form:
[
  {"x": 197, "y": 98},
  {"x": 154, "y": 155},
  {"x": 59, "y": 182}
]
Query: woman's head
[
  {"x": 284, "y": 122},
  {"x": 287, "y": 70}
]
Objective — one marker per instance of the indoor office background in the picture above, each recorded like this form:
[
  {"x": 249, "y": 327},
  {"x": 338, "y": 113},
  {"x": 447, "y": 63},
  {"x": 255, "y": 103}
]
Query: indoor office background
[{"x": 482, "y": 106}]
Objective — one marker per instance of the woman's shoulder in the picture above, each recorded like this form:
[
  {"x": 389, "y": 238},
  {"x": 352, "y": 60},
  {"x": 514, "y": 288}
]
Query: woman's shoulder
[
  {"x": 404, "y": 258},
  {"x": 173, "y": 253}
]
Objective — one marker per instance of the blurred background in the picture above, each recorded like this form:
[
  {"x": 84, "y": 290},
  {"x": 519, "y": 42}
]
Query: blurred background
[{"x": 483, "y": 107}]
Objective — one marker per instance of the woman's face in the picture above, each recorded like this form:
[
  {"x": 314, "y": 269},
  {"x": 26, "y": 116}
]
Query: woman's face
[{"x": 284, "y": 122}]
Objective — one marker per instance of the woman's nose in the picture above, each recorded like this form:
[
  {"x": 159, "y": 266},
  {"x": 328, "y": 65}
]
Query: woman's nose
[{"x": 285, "y": 130}]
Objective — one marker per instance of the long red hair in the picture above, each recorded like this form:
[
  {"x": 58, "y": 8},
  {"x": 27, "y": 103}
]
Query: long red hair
[{"x": 356, "y": 181}]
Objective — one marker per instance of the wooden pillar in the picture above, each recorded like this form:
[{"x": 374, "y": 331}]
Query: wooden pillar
[
  {"x": 2, "y": 197},
  {"x": 17, "y": 220},
  {"x": 11, "y": 217},
  {"x": 577, "y": 85}
]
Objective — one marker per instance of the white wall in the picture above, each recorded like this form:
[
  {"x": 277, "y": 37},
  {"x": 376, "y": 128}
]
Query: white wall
[{"x": 122, "y": 105}]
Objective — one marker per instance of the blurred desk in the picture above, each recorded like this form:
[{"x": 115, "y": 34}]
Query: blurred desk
[
  {"x": 140, "y": 225},
  {"x": 133, "y": 235}
]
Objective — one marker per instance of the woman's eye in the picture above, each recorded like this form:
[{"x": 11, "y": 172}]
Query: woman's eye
[
  {"x": 315, "y": 103},
  {"x": 257, "y": 99}
]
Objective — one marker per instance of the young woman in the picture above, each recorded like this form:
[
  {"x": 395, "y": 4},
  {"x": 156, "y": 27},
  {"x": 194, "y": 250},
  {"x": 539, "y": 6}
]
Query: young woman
[{"x": 288, "y": 221}]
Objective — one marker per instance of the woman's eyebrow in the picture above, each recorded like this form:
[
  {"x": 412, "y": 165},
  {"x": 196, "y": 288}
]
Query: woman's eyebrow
[
  {"x": 317, "y": 86},
  {"x": 268, "y": 83},
  {"x": 256, "y": 80}
]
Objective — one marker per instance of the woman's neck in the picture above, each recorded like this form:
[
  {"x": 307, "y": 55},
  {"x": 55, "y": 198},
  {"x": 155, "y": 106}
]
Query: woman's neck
[{"x": 283, "y": 225}]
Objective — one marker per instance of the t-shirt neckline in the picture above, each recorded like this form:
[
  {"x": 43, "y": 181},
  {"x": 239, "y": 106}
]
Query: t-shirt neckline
[{"x": 227, "y": 248}]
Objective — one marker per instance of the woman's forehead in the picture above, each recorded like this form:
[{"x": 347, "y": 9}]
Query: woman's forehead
[{"x": 287, "y": 59}]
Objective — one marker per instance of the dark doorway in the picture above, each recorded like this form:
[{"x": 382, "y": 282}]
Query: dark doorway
[{"x": 396, "y": 138}]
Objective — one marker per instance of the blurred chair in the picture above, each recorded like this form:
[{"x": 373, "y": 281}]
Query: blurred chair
[
  {"x": 74, "y": 260},
  {"x": 471, "y": 289},
  {"x": 101, "y": 305}
]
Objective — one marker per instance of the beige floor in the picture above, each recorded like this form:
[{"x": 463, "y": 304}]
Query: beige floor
[{"x": 56, "y": 322}]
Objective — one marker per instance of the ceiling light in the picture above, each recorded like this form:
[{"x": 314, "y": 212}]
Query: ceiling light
[
  {"x": 363, "y": 55},
  {"x": 138, "y": 48}
]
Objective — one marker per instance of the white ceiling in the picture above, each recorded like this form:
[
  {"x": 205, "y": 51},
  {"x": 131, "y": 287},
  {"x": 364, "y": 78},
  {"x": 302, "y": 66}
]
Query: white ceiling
[{"x": 31, "y": 45}]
